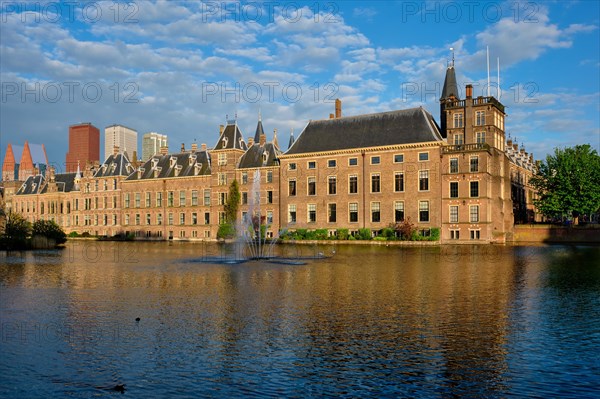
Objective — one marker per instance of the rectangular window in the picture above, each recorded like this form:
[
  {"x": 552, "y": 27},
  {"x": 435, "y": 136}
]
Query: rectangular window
[
  {"x": 352, "y": 161},
  {"x": 126, "y": 222},
  {"x": 399, "y": 181},
  {"x": 480, "y": 118},
  {"x": 222, "y": 159},
  {"x": 453, "y": 165},
  {"x": 292, "y": 166},
  {"x": 454, "y": 214},
  {"x": 353, "y": 184},
  {"x": 159, "y": 219},
  {"x": 182, "y": 218},
  {"x": 244, "y": 198},
  {"x": 269, "y": 176},
  {"x": 194, "y": 197},
  {"x": 312, "y": 186},
  {"x": 332, "y": 185},
  {"x": 398, "y": 158},
  {"x": 480, "y": 137},
  {"x": 158, "y": 199},
  {"x": 126, "y": 201},
  {"x": 206, "y": 217},
  {"x": 194, "y": 218},
  {"x": 312, "y": 213},
  {"x": 291, "y": 213},
  {"x": 269, "y": 197},
  {"x": 375, "y": 212},
  {"x": 423, "y": 211},
  {"x": 147, "y": 219},
  {"x": 398, "y": 211},
  {"x": 474, "y": 161},
  {"x": 292, "y": 188},
  {"x": 137, "y": 219},
  {"x": 207, "y": 197},
  {"x": 269, "y": 217},
  {"x": 353, "y": 210},
  {"x": 331, "y": 213},
  {"x": 222, "y": 198},
  {"x": 454, "y": 234},
  {"x": 423, "y": 156},
  {"x": 459, "y": 139},
  {"x": 423, "y": 180},
  {"x": 170, "y": 218},
  {"x": 222, "y": 179},
  {"x": 375, "y": 160},
  {"x": 170, "y": 198},
  {"x": 475, "y": 234},
  {"x": 458, "y": 120},
  {"x": 474, "y": 189},
  {"x": 474, "y": 213},
  {"x": 312, "y": 165},
  {"x": 137, "y": 200},
  {"x": 375, "y": 183},
  {"x": 244, "y": 177},
  {"x": 331, "y": 163},
  {"x": 148, "y": 200},
  {"x": 453, "y": 189},
  {"x": 182, "y": 198}
]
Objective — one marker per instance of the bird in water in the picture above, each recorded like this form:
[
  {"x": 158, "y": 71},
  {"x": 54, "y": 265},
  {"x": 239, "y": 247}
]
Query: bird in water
[{"x": 137, "y": 319}]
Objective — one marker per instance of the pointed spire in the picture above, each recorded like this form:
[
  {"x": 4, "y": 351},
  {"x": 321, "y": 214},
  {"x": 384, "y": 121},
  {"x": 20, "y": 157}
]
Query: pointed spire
[
  {"x": 259, "y": 114},
  {"x": 259, "y": 130},
  {"x": 291, "y": 139},
  {"x": 450, "y": 86},
  {"x": 275, "y": 142}
]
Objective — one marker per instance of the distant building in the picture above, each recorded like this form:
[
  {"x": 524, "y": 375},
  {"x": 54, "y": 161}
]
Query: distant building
[
  {"x": 84, "y": 146},
  {"x": 21, "y": 162},
  {"x": 120, "y": 136},
  {"x": 151, "y": 144}
]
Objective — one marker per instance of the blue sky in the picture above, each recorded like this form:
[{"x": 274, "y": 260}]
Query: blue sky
[{"x": 180, "y": 68}]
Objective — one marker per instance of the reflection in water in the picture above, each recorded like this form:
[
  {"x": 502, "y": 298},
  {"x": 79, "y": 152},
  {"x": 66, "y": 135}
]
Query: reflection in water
[{"x": 371, "y": 321}]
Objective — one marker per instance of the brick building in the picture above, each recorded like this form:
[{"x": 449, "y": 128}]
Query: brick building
[{"x": 84, "y": 146}]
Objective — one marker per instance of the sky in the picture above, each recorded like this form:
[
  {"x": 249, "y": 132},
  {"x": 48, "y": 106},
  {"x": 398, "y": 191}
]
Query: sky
[{"x": 184, "y": 68}]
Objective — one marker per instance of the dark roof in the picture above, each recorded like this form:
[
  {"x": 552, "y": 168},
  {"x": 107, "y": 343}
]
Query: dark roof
[
  {"x": 231, "y": 138},
  {"x": 115, "y": 165},
  {"x": 254, "y": 157},
  {"x": 32, "y": 185},
  {"x": 259, "y": 131},
  {"x": 39, "y": 185},
  {"x": 413, "y": 125},
  {"x": 64, "y": 182},
  {"x": 450, "y": 86},
  {"x": 291, "y": 140},
  {"x": 163, "y": 166}
]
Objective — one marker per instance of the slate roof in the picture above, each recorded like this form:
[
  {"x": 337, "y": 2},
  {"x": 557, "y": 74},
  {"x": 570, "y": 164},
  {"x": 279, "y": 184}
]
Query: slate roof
[
  {"x": 413, "y": 125},
  {"x": 259, "y": 131},
  {"x": 64, "y": 182},
  {"x": 291, "y": 142},
  {"x": 32, "y": 185},
  {"x": 115, "y": 165},
  {"x": 231, "y": 138},
  {"x": 164, "y": 166},
  {"x": 38, "y": 184},
  {"x": 255, "y": 156},
  {"x": 450, "y": 85}
]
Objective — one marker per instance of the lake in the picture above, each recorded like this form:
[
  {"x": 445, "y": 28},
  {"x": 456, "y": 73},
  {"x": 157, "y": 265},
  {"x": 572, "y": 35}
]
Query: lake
[{"x": 363, "y": 321}]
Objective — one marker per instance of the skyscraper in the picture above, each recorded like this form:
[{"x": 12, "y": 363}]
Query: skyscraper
[
  {"x": 84, "y": 145},
  {"x": 121, "y": 136},
  {"x": 151, "y": 143}
]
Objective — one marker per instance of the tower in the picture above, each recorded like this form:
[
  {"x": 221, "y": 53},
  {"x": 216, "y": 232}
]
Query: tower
[{"x": 449, "y": 94}]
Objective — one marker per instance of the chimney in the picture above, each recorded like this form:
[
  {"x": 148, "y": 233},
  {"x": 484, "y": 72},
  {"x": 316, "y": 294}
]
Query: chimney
[
  {"x": 250, "y": 141},
  {"x": 221, "y": 129},
  {"x": 182, "y": 147},
  {"x": 338, "y": 108},
  {"x": 194, "y": 147},
  {"x": 203, "y": 146},
  {"x": 469, "y": 91},
  {"x": 263, "y": 139},
  {"x": 164, "y": 150},
  {"x": 331, "y": 116},
  {"x": 115, "y": 150},
  {"x": 516, "y": 147},
  {"x": 509, "y": 143}
]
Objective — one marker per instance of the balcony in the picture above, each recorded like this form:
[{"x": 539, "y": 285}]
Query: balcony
[
  {"x": 449, "y": 149},
  {"x": 476, "y": 101}
]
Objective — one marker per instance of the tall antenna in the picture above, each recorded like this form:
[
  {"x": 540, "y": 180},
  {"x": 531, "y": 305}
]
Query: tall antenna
[
  {"x": 499, "y": 92},
  {"x": 487, "y": 49}
]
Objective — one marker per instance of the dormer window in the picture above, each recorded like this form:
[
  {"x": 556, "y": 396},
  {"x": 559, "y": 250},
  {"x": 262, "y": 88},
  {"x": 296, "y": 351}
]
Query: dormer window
[
  {"x": 177, "y": 170},
  {"x": 225, "y": 140},
  {"x": 140, "y": 172},
  {"x": 197, "y": 169},
  {"x": 173, "y": 161},
  {"x": 113, "y": 167},
  {"x": 192, "y": 159},
  {"x": 104, "y": 168},
  {"x": 265, "y": 156},
  {"x": 154, "y": 162},
  {"x": 157, "y": 171}
]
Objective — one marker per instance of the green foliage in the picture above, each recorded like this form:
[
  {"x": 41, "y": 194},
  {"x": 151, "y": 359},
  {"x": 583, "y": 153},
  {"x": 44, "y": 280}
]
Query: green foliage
[
  {"x": 321, "y": 234},
  {"x": 434, "y": 234},
  {"x": 16, "y": 232},
  {"x": 73, "y": 234},
  {"x": 364, "y": 234},
  {"x": 388, "y": 233},
  {"x": 233, "y": 203},
  {"x": 380, "y": 238},
  {"x": 226, "y": 230},
  {"x": 342, "y": 234},
  {"x": 568, "y": 182},
  {"x": 50, "y": 230}
]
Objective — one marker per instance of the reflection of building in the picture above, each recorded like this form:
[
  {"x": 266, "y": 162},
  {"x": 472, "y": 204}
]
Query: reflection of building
[
  {"x": 152, "y": 143},
  {"x": 122, "y": 137},
  {"x": 84, "y": 146},
  {"x": 365, "y": 171}
]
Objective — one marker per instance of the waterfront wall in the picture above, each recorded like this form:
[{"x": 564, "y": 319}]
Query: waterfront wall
[{"x": 550, "y": 233}]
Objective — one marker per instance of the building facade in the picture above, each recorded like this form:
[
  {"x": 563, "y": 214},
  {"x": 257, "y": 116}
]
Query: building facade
[
  {"x": 84, "y": 146},
  {"x": 122, "y": 137},
  {"x": 152, "y": 143}
]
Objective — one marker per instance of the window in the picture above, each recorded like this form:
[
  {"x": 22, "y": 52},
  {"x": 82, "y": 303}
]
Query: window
[
  {"x": 312, "y": 213},
  {"x": 292, "y": 188},
  {"x": 353, "y": 184},
  {"x": 207, "y": 197},
  {"x": 148, "y": 200},
  {"x": 453, "y": 165},
  {"x": 269, "y": 217},
  {"x": 148, "y": 219},
  {"x": 353, "y": 209},
  {"x": 423, "y": 180},
  {"x": 398, "y": 158},
  {"x": 159, "y": 219},
  {"x": 222, "y": 159},
  {"x": 375, "y": 160},
  {"x": 332, "y": 185},
  {"x": 291, "y": 213},
  {"x": 222, "y": 198},
  {"x": 182, "y": 198},
  {"x": 458, "y": 139},
  {"x": 194, "y": 197},
  {"x": 475, "y": 234},
  {"x": 453, "y": 189},
  {"x": 454, "y": 214},
  {"x": 244, "y": 177},
  {"x": 423, "y": 211},
  {"x": 399, "y": 181},
  {"x": 375, "y": 212},
  {"x": 222, "y": 179},
  {"x": 423, "y": 156},
  {"x": 480, "y": 118},
  {"x": 480, "y": 137},
  {"x": 269, "y": 197},
  {"x": 194, "y": 218},
  {"x": 137, "y": 219},
  {"x": 206, "y": 217},
  {"x": 474, "y": 164},
  {"x": 170, "y": 218},
  {"x": 292, "y": 166},
  {"x": 331, "y": 163},
  {"x": 170, "y": 198},
  {"x": 454, "y": 234},
  {"x": 312, "y": 186},
  {"x": 398, "y": 211},
  {"x": 474, "y": 213},
  {"x": 458, "y": 120},
  {"x": 474, "y": 189},
  {"x": 331, "y": 213},
  {"x": 375, "y": 183},
  {"x": 158, "y": 200},
  {"x": 126, "y": 222},
  {"x": 269, "y": 176},
  {"x": 114, "y": 184},
  {"x": 182, "y": 218},
  {"x": 352, "y": 161},
  {"x": 312, "y": 165},
  {"x": 244, "y": 198}
]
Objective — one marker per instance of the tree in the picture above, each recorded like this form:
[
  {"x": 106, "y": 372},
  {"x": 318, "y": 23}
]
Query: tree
[
  {"x": 50, "y": 230},
  {"x": 227, "y": 228},
  {"x": 568, "y": 182},
  {"x": 16, "y": 232}
]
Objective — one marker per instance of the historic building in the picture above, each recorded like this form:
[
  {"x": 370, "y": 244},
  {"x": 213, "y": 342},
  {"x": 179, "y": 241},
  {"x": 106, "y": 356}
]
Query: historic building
[{"x": 366, "y": 171}]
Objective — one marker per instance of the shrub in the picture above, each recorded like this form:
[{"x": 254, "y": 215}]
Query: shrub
[
  {"x": 50, "y": 230},
  {"x": 435, "y": 234},
  {"x": 364, "y": 234},
  {"x": 73, "y": 234},
  {"x": 406, "y": 230},
  {"x": 16, "y": 232},
  {"x": 388, "y": 233},
  {"x": 321, "y": 234},
  {"x": 300, "y": 234},
  {"x": 379, "y": 238},
  {"x": 342, "y": 234},
  {"x": 226, "y": 230}
]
